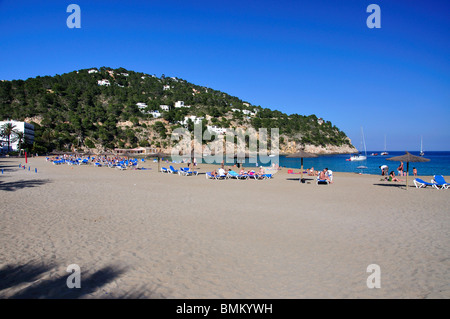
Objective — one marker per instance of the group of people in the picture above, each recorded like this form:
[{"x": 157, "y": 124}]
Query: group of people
[
  {"x": 391, "y": 176},
  {"x": 223, "y": 172}
]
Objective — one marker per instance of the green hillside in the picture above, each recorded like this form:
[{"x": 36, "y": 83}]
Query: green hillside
[{"x": 72, "y": 111}]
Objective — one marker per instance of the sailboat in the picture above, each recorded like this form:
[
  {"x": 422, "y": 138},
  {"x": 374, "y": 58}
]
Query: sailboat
[
  {"x": 421, "y": 147},
  {"x": 384, "y": 152},
  {"x": 360, "y": 157}
]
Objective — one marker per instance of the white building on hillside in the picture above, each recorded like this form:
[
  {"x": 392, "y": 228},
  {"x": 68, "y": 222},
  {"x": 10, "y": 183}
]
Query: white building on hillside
[
  {"x": 218, "y": 130},
  {"x": 104, "y": 82},
  {"x": 26, "y": 128},
  {"x": 92, "y": 71},
  {"x": 193, "y": 118},
  {"x": 155, "y": 114},
  {"x": 165, "y": 107},
  {"x": 179, "y": 104}
]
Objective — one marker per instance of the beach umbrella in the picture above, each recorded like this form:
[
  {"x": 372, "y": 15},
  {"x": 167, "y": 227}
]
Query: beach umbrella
[
  {"x": 302, "y": 154},
  {"x": 361, "y": 168},
  {"x": 158, "y": 155},
  {"x": 408, "y": 157}
]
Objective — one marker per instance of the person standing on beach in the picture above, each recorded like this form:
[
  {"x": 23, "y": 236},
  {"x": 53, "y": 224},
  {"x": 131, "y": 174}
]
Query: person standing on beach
[
  {"x": 384, "y": 170},
  {"x": 400, "y": 169},
  {"x": 415, "y": 172}
]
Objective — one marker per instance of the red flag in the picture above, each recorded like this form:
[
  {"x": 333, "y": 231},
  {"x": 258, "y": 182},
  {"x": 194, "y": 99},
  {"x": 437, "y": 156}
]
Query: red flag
[{"x": 26, "y": 159}]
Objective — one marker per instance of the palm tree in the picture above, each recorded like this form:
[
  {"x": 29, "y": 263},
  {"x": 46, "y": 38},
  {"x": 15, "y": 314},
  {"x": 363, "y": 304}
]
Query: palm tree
[
  {"x": 7, "y": 130},
  {"x": 19, "y": 138}
]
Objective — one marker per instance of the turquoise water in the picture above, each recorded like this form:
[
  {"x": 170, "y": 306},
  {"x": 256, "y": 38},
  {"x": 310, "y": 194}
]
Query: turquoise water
[{"x": 439, "y": 163}]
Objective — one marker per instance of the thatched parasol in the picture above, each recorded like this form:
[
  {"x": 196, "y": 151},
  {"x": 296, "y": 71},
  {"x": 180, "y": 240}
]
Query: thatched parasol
[
  {"x": 302, "y": 154},
  {"x": 408, "y": 157},
  {"x": 158, "y": 155}
]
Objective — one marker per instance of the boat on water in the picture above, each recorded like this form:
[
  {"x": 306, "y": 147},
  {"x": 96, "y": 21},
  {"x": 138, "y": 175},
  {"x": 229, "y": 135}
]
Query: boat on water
[
  {"x": 374, "y": 154},
  {"x": 384, "y": 153},
  {"x": 359, "y": 156}
]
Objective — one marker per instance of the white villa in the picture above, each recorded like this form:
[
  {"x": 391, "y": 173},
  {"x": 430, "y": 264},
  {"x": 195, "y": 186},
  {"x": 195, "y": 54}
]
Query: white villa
[
  {"x": 246, "y": 112},
  {"x": 193, "y": 118},
  {"x": 141, "y": 105},
  {"x": 179, "y": 104},
  {"x": 218, "y": 130},
  {"x": 92, "y": 71},
  {"x": 155, "y": 114},
  {"x": 26, "y": 128},
  {"x": 166, "y": 87},
  {"x": 104, "y": 82},
  {"x": 164, "y": 107}
]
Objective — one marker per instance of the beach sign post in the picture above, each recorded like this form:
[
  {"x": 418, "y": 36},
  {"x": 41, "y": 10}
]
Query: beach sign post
[{"x": 408, "y": 157}]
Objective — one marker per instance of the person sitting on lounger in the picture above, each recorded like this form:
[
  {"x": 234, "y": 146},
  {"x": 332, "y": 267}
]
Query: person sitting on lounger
[
  {"x": 242, "y": 171},
  {"x": 311, "y": 172},
  {"x": 323, "y": 175},
  {"x": 214, "y": 173},
  {"x": 222, "y": 172},
  {"x": 261, "y": 172}
]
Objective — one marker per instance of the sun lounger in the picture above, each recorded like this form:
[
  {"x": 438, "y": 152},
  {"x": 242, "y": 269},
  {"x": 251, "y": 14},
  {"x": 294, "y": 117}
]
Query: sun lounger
[
  {"x": 440, "y": 182},
  {"x": 164, "y": 170},
  {"x": 233, "y": 174},
  {"x": 209, "y": 175},
  {"x": 422, "y": 184},
  {"x": 172, "y": 170},
  {"x": 322, "y": 181}
]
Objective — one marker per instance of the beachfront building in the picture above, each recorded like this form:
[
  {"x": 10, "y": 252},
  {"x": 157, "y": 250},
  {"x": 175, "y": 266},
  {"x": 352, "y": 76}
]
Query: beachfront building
[
  {"x": 136, "y": 151},
  {"x": 103, "y": 82},
  {"x": 26, "y": 128}
]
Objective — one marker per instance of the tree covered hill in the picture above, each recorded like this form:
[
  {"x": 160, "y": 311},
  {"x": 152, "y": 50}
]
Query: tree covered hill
[{"x": 75, "y": 111}]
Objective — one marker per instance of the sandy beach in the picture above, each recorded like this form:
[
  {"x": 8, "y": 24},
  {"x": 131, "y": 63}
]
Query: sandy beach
[{"x": 145, "y": 234}]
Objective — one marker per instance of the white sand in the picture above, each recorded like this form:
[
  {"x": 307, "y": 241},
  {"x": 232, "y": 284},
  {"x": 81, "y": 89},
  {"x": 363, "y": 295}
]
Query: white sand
[{"x": 152, "y": 235}]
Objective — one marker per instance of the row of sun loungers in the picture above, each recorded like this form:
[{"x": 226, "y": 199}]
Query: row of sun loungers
[
  {"x": 121, "y": 165},
  {"x": 234, "y": 175},
  {"x": 184, "y": 171},
  {"x": 437, "y": 182}
]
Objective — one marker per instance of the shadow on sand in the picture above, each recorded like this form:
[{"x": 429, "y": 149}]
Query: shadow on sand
[
  {"x": 35, "y": 287},
  {"x": 13, "y": 186},
  {"x": 396, "y": 185}
]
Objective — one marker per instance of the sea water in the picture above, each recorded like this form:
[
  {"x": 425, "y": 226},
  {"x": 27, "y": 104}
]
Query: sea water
[{"x": 439, "y": 163}]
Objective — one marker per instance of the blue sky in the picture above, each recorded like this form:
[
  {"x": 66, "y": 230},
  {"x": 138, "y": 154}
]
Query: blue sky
[{"x": 305, "y": 57}]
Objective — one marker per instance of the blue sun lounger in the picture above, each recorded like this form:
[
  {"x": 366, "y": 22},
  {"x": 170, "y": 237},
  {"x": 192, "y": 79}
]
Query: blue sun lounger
[
  {"x": 420, "y": 183},
  {"x": 440, "y": 182},
  {"x": 322, "y": 181},
  {"x": 172, "y": 170}
]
